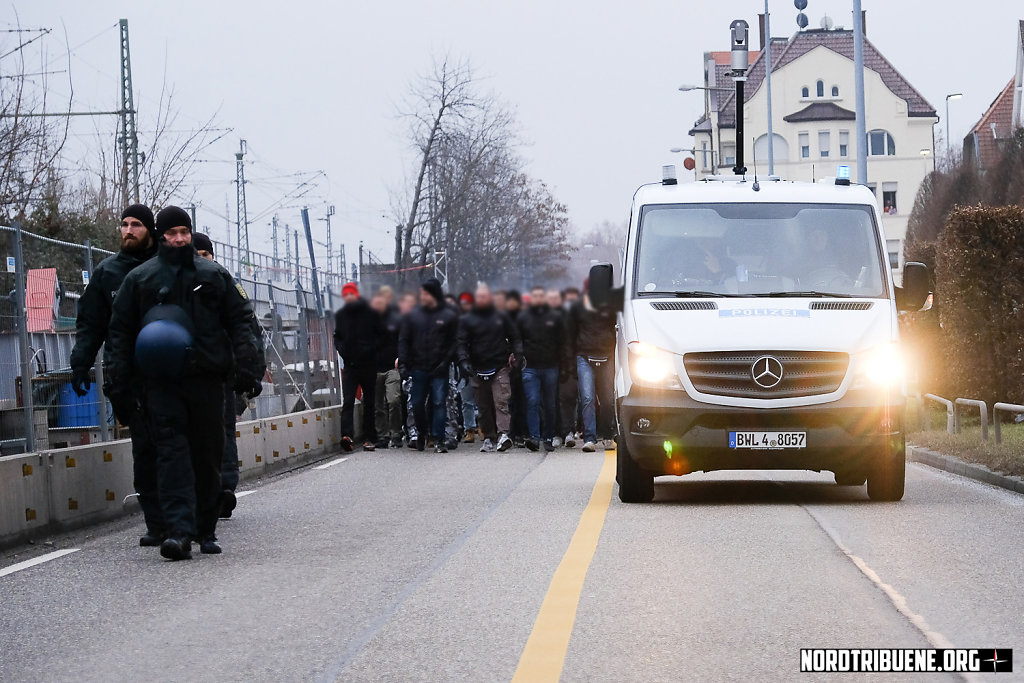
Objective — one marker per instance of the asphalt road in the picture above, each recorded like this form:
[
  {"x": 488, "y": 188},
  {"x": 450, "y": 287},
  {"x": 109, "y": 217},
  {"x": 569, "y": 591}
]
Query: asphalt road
[{"x": 402, "y": 566}]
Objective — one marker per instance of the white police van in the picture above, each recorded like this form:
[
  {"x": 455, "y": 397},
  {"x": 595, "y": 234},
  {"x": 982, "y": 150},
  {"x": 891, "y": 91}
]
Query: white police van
[{"x": 758, "y": 330}]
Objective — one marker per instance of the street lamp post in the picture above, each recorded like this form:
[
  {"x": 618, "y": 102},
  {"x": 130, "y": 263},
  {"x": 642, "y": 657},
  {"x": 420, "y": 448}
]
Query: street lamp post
[
  {"x": 951, "y": 96},
  {"x": 688, "y": 150},
  {"x": 688, "y": 88}
]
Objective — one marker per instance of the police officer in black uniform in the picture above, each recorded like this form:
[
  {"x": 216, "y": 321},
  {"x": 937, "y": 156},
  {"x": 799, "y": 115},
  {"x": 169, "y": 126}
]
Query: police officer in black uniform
[
  {"x": 182, "y": 326},
  {"x": 138, "y": 245}
]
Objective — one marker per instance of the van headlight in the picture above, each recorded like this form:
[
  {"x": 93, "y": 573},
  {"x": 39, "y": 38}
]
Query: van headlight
[
  {"x": 881, "y": 366},
  {"x": 650, "y": 365}
]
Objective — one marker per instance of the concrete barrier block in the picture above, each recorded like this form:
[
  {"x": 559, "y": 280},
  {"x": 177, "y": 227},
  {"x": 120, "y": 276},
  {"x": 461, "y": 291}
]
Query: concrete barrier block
[
  {"x": 89, "y": 483},
  {"x": 250, "y": 438},
  {"x": 24, "y": 497}
]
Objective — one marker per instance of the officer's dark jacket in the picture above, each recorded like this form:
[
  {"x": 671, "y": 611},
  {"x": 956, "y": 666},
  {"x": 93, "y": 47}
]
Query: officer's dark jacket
[
  {"x": 221, "y": 316},
  {"x": 95, "y": 306},
  {"x": 387, "y": 348},
  {"x": 590, "y": 332},
  {"x": 486, "y": 338},
  {"x": 357, "y": 332},
  {"x": 543, "y": 333},
  {"x": 427, "y": 338}
]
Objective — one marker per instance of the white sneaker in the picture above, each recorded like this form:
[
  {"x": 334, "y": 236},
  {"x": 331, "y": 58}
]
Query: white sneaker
[
  {"x": 609, "y": 444},
  {"x": 504, "y": 443},
  {"x": 488, "y": 446},
  {"x": 589, "y": 447},
  {"x": 570, "y": 440},
  {"x": 556, "y": 442}
]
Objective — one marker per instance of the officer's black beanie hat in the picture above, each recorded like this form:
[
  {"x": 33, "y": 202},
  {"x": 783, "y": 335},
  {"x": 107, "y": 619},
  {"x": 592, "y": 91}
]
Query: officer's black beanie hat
[
  {"x": 171, "y": 217},
  {"x": 433, "y": 288},
  {"x": 142, "y": 212},
  {"x": 202, "y": 242}
]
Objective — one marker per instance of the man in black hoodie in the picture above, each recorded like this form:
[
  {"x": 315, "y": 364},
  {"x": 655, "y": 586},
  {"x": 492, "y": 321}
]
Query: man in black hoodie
[
  {"x": 488, "y": 346},
  {"x": 182, "y": 327},
  {"x": 591, "y": 337},
  {"x": 357, "y": 334},
  {"x": 138, "y": 245},
  {"x": 541, "y": 328},
  {"x": 426, "y": 348}
]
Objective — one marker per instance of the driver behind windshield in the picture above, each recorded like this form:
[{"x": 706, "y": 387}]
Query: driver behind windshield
[{"x": 823, "y": 267}]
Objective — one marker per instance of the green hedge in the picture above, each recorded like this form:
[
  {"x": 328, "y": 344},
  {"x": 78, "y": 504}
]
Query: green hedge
[{"x": 979, "y": 288}]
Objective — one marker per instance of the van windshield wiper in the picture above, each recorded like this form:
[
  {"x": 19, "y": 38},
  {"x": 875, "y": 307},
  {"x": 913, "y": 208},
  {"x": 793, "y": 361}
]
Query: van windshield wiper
[
  {"x": 690, "y": 294},
  {"x": 808, "y": 294}
]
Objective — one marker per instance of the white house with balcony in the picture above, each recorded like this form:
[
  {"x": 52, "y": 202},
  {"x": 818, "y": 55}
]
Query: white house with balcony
[{"x": 814, "y": 121}]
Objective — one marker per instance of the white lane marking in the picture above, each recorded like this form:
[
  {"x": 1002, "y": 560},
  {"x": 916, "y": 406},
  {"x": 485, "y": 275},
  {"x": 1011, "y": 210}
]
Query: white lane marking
[
  {"x": 36, "y": 560},
  {"x": 242, "y": 494},
  {"x": 330, "y": 464}
]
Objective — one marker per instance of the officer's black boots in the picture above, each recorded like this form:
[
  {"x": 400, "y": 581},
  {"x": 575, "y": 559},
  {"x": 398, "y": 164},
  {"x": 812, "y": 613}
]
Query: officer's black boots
[
  {"x": 209, "y": 546},
  {"x": 152, "y": 539},
  {"x": 177, "y": 548}
]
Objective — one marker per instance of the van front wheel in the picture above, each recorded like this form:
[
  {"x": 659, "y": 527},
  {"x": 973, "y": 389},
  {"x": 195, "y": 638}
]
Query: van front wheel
[
  {"x": 887, "y": 476},
  {"x": 636, "y": 485}
]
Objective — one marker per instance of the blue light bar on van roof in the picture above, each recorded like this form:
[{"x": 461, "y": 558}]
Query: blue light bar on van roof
[{"x": 843, "y": 175}]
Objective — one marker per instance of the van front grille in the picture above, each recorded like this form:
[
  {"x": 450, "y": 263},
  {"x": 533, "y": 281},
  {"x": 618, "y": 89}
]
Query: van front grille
[{"x": 789, "y": 374}]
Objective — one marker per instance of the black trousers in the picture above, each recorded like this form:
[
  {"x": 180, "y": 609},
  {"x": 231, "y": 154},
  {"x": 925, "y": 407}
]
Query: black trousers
[
  {"x": 366, "y": 378},
  {"x": 145, "y": 472},
  {"x": 186, "y": 422}
]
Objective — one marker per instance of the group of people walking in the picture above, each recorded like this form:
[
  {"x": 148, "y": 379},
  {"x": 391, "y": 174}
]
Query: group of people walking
[
  {"x": 436, "y": 370},
  {"x": 183, "y": 352}
]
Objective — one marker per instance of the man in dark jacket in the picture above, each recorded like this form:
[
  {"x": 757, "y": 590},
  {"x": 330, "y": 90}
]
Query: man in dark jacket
[
  {"x": 591, "y": 337},
  {"x": 94, "y": 309},
  {"x": 182, "y": 327},
  {"x": 234, "y": 404},
  {"x": 426, "y": 348},
  {"x": 488, "y": 345},
  {"x": 357, "y": 334},
  {"x": 388, "y": 390},
  {"x": 541, "y": 328}
]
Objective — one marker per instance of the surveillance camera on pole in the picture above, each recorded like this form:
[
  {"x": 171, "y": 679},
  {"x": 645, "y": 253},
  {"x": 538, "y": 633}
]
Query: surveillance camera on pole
[{"x": 740, "y": 60}]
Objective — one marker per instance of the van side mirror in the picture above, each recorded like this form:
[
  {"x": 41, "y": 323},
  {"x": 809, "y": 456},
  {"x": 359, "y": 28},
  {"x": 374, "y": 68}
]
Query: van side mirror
[
  {"x": 600, "y": 289},
  {"x": 914, "y": 292}
]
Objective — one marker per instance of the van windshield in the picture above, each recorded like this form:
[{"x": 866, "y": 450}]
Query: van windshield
[{"x": 747, "y": 249}]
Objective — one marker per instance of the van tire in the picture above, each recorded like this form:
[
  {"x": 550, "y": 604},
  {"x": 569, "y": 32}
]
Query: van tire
[
  {"x": 887, "y": 477},
  {"x": 636, "y": 485}
]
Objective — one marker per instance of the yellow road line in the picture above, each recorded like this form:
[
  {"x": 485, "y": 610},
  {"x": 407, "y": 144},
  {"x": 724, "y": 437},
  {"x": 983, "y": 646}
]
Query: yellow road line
[{"x": 544, "y": 654}]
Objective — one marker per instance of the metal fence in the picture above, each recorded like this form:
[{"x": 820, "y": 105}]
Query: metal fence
[{"x": 40, "y": 285}]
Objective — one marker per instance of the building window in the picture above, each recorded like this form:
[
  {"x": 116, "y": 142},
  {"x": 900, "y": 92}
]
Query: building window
[
  {"x": 824, "y": 143},
  {"x": 729, "y": 154},
  {"x": 805, "y": 146},
  {"x": 835, "y": 91},
  {"x": 820, "y": 88},
  {"x": 704, "y": 154},
  {"x": 894, "y": 248},
  {"x": 844, "y": 143},
  {"x": 881, "y": 144},
  {"x": 805, "y": 92},
  {"x": 873, "y": 188},
  {"x": 889, "y": 199}
]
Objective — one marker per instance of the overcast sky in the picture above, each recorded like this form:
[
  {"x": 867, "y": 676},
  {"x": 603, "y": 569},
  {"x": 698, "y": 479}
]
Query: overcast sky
[{"x": 316, "y": 85}]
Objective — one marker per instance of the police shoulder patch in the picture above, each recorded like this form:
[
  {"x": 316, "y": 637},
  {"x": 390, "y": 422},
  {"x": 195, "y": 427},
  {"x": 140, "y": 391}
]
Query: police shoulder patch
[{"x": 241, "y": 291}]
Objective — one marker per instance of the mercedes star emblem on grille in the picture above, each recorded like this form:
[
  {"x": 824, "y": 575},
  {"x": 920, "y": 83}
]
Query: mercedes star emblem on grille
[{"x": 766, "y": 371}]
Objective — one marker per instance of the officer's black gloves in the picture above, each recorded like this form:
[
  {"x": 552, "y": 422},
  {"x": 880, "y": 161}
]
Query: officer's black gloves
[
  {"x": 466, "y": 368},
  {"x": 122, "y": 400},
  {"x": 248, "y": 385},
  {"x": 80, "y": 382}
]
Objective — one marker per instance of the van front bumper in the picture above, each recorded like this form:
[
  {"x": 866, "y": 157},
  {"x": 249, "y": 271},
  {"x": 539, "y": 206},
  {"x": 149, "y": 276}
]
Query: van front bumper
[{"x": 846, "y": 436}]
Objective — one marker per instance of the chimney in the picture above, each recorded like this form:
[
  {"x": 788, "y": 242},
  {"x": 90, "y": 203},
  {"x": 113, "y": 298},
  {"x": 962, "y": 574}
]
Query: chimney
[{"x": 760, "y": 23}]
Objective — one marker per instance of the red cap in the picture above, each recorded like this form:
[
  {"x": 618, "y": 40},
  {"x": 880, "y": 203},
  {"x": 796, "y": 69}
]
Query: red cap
[
  {"x": 350, "y": 288},
  {"x": 466, "y": 297}
]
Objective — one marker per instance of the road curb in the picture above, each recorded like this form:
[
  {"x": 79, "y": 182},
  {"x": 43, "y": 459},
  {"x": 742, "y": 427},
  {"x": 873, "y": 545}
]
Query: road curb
[{"x": 964, "y": 469}]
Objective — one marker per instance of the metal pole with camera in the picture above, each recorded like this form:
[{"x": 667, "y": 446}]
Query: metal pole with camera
[{"x": 740, "y": 61}]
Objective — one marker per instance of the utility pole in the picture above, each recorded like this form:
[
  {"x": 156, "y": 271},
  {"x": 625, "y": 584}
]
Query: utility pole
[
  {"x": 21, "y": 312},
  {"x": 341, "y": 262},
  {"x": 330, "y": 245},
  {"x": 287, "y": 246},
  {"x": 360, "y": 264},
  {"x": 314, "y": 282},
  {"x": 129, "y": 138},
  {"x": 192, "y": 213},
  {"x": 273, "y": 239},
  {"x": 858, "y": 79},
  {"x": 242, "y": 216}
]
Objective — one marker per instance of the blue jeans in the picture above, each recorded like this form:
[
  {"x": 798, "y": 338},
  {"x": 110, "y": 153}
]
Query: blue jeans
[
  {"x": 468, "y": 405},
  {"x": 596, "y": 388},
  {"x": 540, "y": 387},
  {"x": 424, "y": 383}
]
